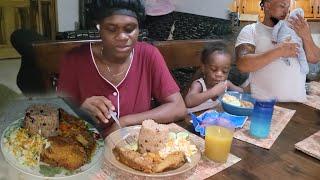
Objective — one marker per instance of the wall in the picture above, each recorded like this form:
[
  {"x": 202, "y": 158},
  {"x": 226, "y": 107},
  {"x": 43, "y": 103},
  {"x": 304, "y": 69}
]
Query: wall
[
  {"x": 68, "y": 10},
  {"x": 68, "y": 14},
  {"x": 212, "y": 8},
  {"x": 315, "y": 32}
]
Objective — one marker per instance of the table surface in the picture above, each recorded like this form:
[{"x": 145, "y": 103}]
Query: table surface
[{"x": 282, "y": 161}]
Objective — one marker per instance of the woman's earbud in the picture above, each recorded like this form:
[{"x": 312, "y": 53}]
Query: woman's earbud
[{"x": 98, "y": 26}]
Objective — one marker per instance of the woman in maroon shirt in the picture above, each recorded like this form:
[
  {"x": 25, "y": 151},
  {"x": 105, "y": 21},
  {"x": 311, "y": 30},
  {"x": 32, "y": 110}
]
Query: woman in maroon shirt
[{"x": 120, "y": 74}]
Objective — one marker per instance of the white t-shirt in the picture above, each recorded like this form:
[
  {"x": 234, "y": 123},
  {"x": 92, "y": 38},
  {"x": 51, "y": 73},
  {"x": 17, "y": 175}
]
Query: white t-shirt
[{"x": 276, "y": 80}]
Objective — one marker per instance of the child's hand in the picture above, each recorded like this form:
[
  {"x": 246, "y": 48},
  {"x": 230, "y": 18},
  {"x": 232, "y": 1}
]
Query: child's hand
[
  {"x": 219, "y": 88},
  {"x": 233, "y": 87}
]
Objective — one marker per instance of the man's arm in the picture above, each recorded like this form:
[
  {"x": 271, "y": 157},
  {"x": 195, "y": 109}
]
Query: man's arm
[
  {"x": 248, "y": 61},
  {"x": 301, "y": 27},
  {"x": 172, "y": 109}
]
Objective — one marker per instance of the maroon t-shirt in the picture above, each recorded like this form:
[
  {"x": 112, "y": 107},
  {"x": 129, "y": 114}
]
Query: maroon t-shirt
[{"x": 148, "y": 77}]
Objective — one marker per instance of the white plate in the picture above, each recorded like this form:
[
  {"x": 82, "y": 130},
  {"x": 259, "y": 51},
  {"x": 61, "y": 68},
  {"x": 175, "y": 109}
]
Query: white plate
[
  {"x": 116, "y": 137},
  {"x": 10, "y": 158}
]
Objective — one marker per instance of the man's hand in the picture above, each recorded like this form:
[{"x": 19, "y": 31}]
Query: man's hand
[
  {"x": 300, "y": 26},
  {"x": 288, "y": 49},
  {"x": 98, "y": 107}
]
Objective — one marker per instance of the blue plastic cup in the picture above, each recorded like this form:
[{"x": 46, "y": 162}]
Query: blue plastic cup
[{"x": 261, "y": 118}]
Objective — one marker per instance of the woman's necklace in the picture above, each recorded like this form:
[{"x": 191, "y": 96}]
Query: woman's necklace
[{"x": 109, "y": 69}]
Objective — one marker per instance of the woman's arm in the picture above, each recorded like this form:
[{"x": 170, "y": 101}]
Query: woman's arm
[
  {"x": 301, "y": 27},
  {"x": 172, "y": 109}
]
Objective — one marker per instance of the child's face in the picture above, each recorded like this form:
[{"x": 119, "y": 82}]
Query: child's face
[{"x": 217, "y": 68}]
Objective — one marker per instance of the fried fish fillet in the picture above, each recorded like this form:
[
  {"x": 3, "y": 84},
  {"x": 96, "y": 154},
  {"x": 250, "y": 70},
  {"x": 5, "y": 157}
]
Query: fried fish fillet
[
  {"x": 64, "y": 152},
  {"x": 75, "y": 128},
  {"x": 149, "y": 162},
  {"x": 134, "y": 159},
  {"x": 172, "y": 161}
]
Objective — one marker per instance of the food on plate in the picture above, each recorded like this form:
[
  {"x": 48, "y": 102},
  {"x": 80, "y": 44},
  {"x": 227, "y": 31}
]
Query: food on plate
[
  {"x": 178, "y": 142},
  {"x": 64, "y": 152},
  {"x": 158, "y": 149},
  {"x": 152, "y": 136},
  {"x": 142, "y": 162},
  {"x": 75, "y": 128},
  {"x": 42, "y": 119},
  {"x": 50, "y": 136},
  {"x": 26, "y": 147},
  {"x": 236, "y": 102},
  {"x": 172, "y": 161}
]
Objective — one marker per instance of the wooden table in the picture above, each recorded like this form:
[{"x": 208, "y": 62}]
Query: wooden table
[{"x": 282, "y": 161}]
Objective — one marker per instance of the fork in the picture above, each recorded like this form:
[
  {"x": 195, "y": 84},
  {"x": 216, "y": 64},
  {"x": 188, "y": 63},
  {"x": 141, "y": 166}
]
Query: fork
[
  {"x": 226, "y": 84},
  {"x": 123, "y": 131}
]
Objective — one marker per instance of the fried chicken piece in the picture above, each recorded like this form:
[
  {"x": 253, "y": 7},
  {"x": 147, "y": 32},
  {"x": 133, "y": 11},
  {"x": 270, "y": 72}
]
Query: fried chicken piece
[
  {"x": 64, "y": 152},
  {"x": 172, "y": 161},
  {"x": 149, "y": 162},
  {"x": 134, "y": 159},
  {"x": 75, "y": 128}
]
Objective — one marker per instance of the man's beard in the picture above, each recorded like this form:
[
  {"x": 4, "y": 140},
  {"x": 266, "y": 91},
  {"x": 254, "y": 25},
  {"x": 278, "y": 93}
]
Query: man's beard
[{"x": 274, "y": 20}]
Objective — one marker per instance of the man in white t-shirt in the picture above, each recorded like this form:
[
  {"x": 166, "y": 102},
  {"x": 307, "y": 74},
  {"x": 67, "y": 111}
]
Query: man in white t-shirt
[{"x": 269, "y": 76}]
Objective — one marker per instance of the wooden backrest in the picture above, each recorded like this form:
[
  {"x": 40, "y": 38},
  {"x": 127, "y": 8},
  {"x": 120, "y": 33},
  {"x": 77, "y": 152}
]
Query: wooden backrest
[{"x": 177, "y": 54}]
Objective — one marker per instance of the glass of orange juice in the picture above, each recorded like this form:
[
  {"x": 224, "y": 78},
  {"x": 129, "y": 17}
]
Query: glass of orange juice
[{"x": 218, "y": 139}]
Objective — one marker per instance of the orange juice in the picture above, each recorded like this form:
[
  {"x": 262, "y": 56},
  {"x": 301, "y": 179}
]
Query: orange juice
[{"x": 218, "y": 143}]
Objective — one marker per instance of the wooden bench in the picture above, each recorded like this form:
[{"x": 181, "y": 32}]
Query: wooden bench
[{"x": 177, "y": 54}]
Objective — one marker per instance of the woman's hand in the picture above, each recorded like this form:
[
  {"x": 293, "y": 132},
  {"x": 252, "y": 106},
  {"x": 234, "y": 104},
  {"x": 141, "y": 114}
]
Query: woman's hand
[
  {"x": 98, "y": 107},
  {"x": 300, "y": 26}
]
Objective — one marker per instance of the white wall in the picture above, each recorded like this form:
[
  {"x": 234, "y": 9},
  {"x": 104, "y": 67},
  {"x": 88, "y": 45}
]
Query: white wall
[
  {"x": 212, "y": 8},
  {"x": 315, "y": 32},
  {"x": 68, "y": 14}
]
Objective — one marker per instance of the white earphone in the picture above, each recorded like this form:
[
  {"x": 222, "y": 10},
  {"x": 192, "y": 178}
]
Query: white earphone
[{"x": 98, "y": 27}]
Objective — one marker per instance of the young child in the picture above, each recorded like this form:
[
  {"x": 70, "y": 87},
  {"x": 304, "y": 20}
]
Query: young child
[
  {"x": 216, "y": 64},
  {"x": 282, "y": 32}
]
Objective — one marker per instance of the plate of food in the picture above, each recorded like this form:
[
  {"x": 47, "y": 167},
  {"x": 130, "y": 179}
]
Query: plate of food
[
  {"x": 236, "y": 103},
  {"x": 49, "y": 142},
  {"x": 158, "y": 151}
]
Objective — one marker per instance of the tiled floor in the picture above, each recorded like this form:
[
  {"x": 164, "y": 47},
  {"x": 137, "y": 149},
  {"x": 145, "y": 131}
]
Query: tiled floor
[{"x": 8, "y": 73}]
